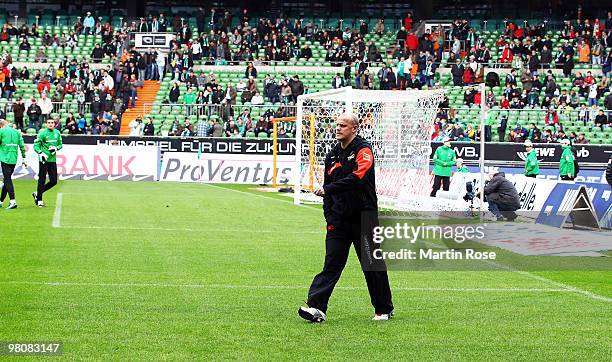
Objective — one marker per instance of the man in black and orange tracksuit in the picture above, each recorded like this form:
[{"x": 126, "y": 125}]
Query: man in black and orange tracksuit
[{"x": 349, "y": 203}]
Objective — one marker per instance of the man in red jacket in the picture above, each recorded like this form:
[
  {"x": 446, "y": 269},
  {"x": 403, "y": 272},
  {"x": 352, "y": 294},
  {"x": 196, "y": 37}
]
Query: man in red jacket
[
  {"x": 44, "y": 85},
  {"x": 412, "y": 42},
  {"x": 349, "y": 201}
]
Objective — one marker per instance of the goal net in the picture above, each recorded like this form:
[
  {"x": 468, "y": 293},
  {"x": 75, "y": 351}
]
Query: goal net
[{"x": 398, "y": 125}]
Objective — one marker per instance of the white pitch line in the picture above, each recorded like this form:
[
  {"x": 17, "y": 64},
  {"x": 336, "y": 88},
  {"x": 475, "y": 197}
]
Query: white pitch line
[
  {"x": 262, "y": 196},
  {"x": 255, "y": 231},
  {"x": 58, "y": 211},
  {"x": 567, "y": 287},
  {"x": 231, "y": 286}
]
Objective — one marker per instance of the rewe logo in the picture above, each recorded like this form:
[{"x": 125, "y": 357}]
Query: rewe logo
[
  {"x": 545, "y": 152},
  {"x": 540, "y": 153}
]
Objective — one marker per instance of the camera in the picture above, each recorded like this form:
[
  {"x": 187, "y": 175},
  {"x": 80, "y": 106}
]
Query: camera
[{"x": 469, "y": 191}]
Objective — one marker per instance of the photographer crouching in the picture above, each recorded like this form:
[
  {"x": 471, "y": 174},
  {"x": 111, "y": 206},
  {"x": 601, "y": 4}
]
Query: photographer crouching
[{"x": 502, "y": 197}]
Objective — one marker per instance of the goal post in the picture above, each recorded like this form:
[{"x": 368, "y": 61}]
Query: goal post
[
  {"x": 275, "y": 122},
  {"x": 398, "y": 125}
]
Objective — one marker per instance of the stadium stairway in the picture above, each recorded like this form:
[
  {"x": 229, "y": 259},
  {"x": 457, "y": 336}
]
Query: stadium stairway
[{"x": 145, "y": 95}]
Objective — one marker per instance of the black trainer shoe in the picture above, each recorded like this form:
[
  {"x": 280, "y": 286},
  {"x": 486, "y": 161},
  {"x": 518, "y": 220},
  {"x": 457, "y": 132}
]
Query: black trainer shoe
[{"x": 312, "y": 314}]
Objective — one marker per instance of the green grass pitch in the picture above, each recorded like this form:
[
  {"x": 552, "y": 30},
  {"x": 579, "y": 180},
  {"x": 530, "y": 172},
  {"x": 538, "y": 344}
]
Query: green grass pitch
[{"x": 168, "y": 271}]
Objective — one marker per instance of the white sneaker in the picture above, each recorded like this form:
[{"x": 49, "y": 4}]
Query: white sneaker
[
  {"x": 383, "y": 317},
  {"x": 12, "y": 205},
  {"x": 312, "y": 314}
]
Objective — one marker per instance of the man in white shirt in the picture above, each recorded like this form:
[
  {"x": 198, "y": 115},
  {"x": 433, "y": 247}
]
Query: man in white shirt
[
  {"x": 46, "y": 107},
  {"x": 109, "y": 82},
  {"x": 160, "y": 60},
  {"x": 257, "y": 98},
  {"x": 136, "y": 127}
]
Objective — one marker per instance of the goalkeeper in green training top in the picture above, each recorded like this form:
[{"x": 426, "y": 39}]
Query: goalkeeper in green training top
[
  {"x": 46, "y": 145},
  {"x": 11, "y": 143}
]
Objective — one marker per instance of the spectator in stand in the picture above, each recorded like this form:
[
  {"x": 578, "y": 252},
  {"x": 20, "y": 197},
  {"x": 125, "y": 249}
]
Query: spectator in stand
[
  {"x": 457, "y": 73},
  {"x": 261, "y": 126},
  {"x": 217, "y": 129},
  {"x": 174, "y": 93},
  {"x": 581, "y": 140},
  {"x": 46, "y": 107},
  {"x": 412, "y": 42},
  {"x": 88, "y": 24},
  {"x": 136, "y": 127},
  {"x": 407, "y": 22},
  {"x": 546, "y": 57},
  {"x": 34, "y": 112},
  {"x": 568, "y": 65},
  {"x": 584, "y": 52},
  {"x": 297, "y": 87},
  {"x": 337, "y": 81},
  {"x": 18, "y": 112},
  {"x": 149, "y": 128},
  {"x": 306, "y": 52},
  {"x": 204, "y": 128},
  {"x": 40, "y": 56},
  {"x": 592, "y": 100},
  {"x": 551, "y": 118},
  {"x": 257, "y": 99},
  {"x": 400, "y": 37},
  {"x": 189, "y": 99},
  {"x": 379, "y": 27},
  {"x": 132, "y": 86},
  {"x": 535, "y": 135},
  {"x": 97, "y": 54},
  {"x": 250, "y": 71},
  {"x": 430, "y": 72},
  {"x": 25, "y": 45},
  {"x": 608, "y": 100},
  {"x": 601, "y": 120},
  {"x": 366, "y": 80},
  {"x": 607, "y": 63}
]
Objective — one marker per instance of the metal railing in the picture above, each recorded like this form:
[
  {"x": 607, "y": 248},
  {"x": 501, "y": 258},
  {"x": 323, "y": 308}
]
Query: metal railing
[
  {"x": 583, "y": 118},
  {"x": 58, "y": 107},
  {"x": 198, "y": 112}
]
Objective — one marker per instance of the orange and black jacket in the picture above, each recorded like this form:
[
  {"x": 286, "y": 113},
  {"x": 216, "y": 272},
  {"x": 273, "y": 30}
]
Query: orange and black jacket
[{"x": 349, "y": 183}]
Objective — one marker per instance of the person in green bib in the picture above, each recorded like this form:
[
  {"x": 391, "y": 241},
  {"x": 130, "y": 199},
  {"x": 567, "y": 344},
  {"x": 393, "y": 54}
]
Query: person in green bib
[
  {"x": 11, "y": 143},
  {"x": 532, "y": 165},
  {"x": 460, "y": 167},
  {"x": 444, "y": 160},
  {"x": 566, "y": 163},
  {"x": 46, "y": 145}
]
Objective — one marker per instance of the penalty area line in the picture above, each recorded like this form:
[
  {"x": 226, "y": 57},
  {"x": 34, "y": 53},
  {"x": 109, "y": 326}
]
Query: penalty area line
[
  {"x": 57, "y": 214},
  {"x": 262, "y": 196},
  {"x": 286, "y": 287}
]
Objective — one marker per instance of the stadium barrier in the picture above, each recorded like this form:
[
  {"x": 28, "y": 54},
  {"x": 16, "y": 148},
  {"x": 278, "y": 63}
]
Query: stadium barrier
[
  {"x": 496, "y": 154},
  {"x": 58, "y": 107},
  {"x": 249, "y": 161},
  {"x": 227, "y": 168},
  {"x": 98, "y": 162}
]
